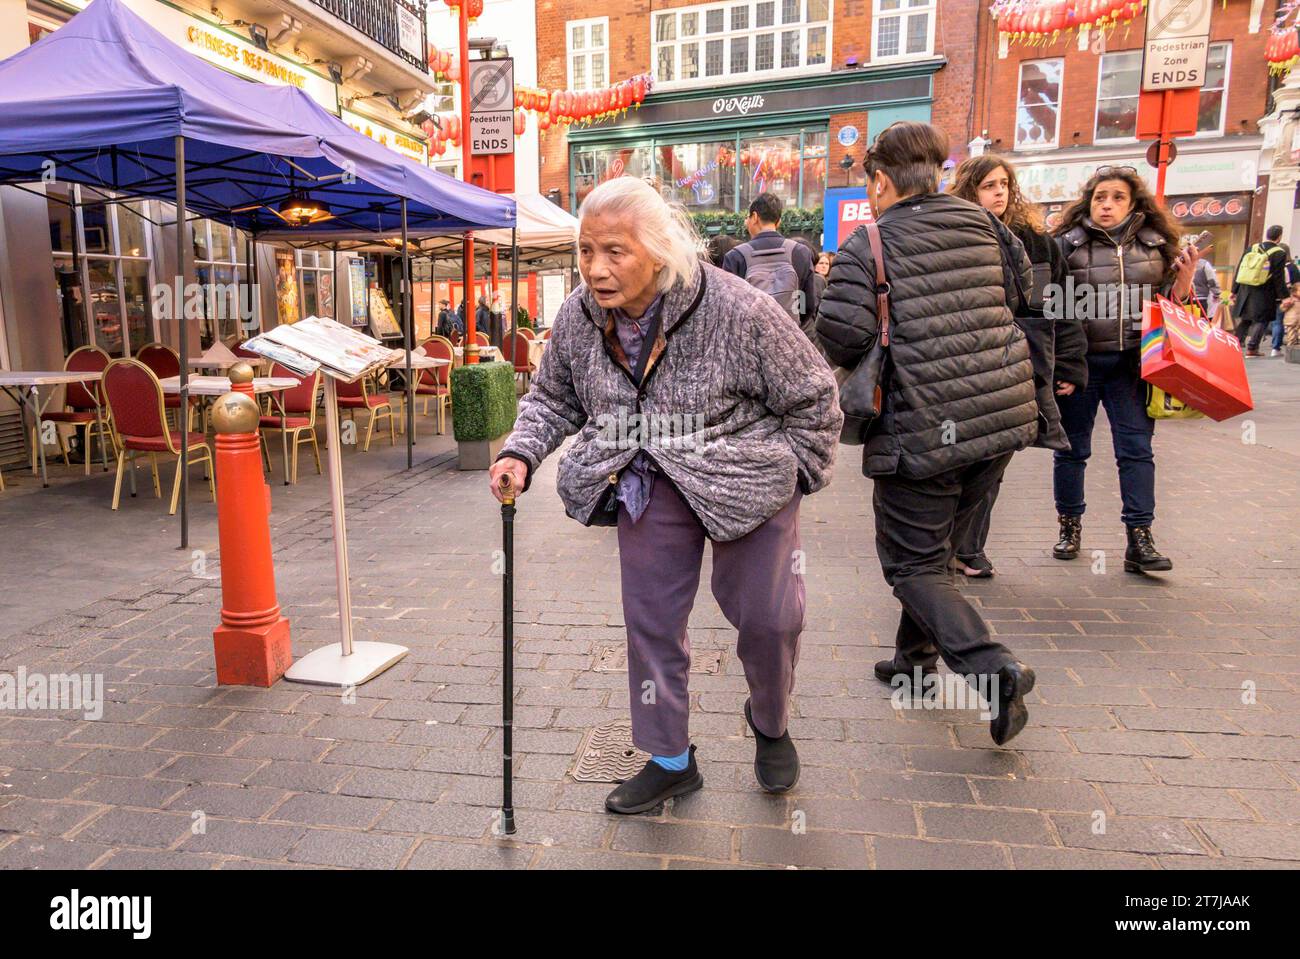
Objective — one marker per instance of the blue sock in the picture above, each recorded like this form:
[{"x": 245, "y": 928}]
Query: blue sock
[{"x": 673, "y": 763}]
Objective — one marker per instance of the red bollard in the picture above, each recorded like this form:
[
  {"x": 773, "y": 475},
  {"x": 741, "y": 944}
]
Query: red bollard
[{"x": 252, "y": 643}]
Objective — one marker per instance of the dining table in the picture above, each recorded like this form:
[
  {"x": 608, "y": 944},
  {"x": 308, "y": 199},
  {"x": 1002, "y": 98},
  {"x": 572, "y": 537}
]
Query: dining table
[
  {"x": 24, "y": 388},
  {"x": 210, "y": 387}
]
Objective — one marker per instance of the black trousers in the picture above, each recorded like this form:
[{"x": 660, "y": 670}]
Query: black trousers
[{"x": 918, "y": 524}]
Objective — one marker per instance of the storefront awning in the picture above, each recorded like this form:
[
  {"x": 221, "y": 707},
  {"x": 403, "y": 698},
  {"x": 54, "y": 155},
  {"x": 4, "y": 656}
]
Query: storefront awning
[{"x": 101, "y": 100}]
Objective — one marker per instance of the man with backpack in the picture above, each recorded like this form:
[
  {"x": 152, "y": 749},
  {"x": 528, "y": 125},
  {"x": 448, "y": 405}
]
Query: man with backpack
[
  {"x": 1258, "y": 288},
  {"x": 779, "y": 266}
]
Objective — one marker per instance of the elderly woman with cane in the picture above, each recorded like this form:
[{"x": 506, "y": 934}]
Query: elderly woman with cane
[{"x": 702, "y": 413}]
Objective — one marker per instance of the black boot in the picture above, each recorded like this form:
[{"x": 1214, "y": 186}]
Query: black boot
[
  {"x": 887, "y": 669},
  {"x": 652, "y": 785},
  {"x": 1071, "y": 533},
  {"x": 776, "y": 762},
  {"x": 1142, "y": 555},
  {"x": 1014, "y": 681}
]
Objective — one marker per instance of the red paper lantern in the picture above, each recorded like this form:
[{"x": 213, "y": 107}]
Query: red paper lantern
[
  {"x": 638, "y": 89},
  {"x": 453, "y": 72},
  {"x": 544, "y": 121},
  {"x": 475, "y": 9},
  {"x": 521, "y": 122}
]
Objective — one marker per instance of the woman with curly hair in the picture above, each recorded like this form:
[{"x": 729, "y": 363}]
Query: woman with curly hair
[
  {"x": 1057, "y": 342},
  {"x": 1120, "y": 248}
]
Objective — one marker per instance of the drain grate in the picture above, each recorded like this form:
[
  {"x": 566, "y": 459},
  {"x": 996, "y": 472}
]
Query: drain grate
[
  {"x": 612, "y": 658},
  {"x": 607, "y": 755}
]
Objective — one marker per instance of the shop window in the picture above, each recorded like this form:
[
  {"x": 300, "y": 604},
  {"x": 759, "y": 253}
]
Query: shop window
[
  {"x": 1215, "y": 92},
  {"x": 221, "y": 269},
  {"x": 698, "y": 175},
  {"x": 593, "y": 167},
  {"x": 102, "y": 268},
  {"x": 903, "y": 29},
  {"x": 315, "y": 283},
  {"x": 588, "y": 49},
  {"x": 1119, "y": 82},
  {"x": 740, "y": 41},
  {"x": 1038, "y": 104}
]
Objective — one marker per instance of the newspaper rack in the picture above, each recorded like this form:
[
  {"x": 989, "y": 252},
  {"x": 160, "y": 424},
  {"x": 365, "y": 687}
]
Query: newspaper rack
[{"x": 340, "y": 353}]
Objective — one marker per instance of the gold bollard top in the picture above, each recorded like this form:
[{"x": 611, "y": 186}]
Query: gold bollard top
[
  {"x": 241, "y": 372},
  {"x": 235, "y": 413}
]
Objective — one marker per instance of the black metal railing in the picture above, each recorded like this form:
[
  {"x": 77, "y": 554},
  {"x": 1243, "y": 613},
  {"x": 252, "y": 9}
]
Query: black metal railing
[{"x": 379, "y": 20}]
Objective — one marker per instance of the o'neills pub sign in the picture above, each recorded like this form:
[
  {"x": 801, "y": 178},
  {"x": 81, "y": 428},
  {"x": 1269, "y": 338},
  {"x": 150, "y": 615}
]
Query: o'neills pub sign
[{"x": 827, "y": 97}]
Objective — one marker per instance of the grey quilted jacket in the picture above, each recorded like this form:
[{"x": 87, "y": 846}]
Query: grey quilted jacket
[{"x": 737, "y": 407}]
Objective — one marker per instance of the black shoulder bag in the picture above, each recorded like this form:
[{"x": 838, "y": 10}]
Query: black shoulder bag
[{"x": 862, "y": 389}]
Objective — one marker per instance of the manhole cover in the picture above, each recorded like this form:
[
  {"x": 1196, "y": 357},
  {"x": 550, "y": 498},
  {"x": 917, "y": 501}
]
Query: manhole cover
[
  {"x": 607, "y": 754},
  {"x": 612, "y": 658}
]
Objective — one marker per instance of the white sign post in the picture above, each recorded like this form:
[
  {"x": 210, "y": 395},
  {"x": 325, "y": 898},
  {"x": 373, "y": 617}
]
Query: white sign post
[
  {"x": 1177, "y": 44},
  {"x": 491, "y": 107}
]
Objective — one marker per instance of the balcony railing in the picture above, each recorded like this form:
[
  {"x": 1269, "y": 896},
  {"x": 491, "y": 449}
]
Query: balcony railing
[{"x": 388, "y": 23}]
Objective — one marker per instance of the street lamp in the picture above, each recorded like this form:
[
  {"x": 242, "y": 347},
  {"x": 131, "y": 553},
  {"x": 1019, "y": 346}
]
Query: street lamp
[{"x": 846, "y": 164}]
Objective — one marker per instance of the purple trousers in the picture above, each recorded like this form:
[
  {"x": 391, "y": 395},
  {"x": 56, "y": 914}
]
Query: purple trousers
[{"x": 758, "y": 582}]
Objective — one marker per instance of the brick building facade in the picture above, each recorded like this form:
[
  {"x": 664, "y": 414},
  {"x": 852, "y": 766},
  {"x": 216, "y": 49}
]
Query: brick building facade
[
  {"x": 1062, "y": 109},
  {"x": 751, "y": 94}
]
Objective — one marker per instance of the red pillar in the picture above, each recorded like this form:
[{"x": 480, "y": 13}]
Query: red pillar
[{"x": 251, "y": 645}]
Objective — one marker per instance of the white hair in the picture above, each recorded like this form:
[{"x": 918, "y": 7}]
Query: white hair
[{"x": 663, "y": 228}]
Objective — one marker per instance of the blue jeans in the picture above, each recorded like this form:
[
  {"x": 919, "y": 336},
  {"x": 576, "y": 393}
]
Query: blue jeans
[
  {"x": 1113, "y": 382},
  {"x": 1279, "y": 327}
]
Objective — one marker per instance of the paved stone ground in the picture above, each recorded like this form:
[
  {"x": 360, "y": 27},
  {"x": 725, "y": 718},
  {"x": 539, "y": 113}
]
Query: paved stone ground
[{"x": 1145, "y": 747}]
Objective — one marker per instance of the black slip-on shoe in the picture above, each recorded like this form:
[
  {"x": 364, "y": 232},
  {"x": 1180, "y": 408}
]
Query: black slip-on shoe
[
  {"x": 1014, "y": 681},
  {"x": 976, "y": 567},
  {"x": 886, "y": 670},
  {"x": 652, "y": 785},
  {"x": 776, "y": 761}
]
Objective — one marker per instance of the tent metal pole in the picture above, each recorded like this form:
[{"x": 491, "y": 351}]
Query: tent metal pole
[
  {"x": 514, "y": 290},
  {"x": 334, "y": 279},
  {"x": 408, "y": 320},
  {"x": 183, "y": 340}
]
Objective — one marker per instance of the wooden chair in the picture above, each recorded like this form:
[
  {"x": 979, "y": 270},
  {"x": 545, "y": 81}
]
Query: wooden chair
[
  {"x": 528, "y": 331},
  {"x": 135, "y": 398},
  {"x": 482, "y": 339},
  {"x": 82, "y": 401},
  {"x": 359, "y": 396},
  {"x": 299, "y": 418},
  {"x": 436, "y": 383}
]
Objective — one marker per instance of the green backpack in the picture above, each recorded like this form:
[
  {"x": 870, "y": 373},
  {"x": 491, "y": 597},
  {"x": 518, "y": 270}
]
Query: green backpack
[{"x": 1254, "y": 267}]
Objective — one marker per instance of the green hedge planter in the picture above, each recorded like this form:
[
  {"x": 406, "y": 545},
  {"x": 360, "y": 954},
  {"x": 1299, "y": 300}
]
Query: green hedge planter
[{"x": 483, "y": 411}]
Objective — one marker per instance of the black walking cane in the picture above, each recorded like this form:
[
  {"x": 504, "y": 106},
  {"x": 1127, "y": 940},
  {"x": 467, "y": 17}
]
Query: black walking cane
[{"x": 507, "y": 653}]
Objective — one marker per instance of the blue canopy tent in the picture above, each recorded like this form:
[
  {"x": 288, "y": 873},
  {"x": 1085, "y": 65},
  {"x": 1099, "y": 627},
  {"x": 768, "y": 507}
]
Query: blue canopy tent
[{"x": 107, "y": 101}]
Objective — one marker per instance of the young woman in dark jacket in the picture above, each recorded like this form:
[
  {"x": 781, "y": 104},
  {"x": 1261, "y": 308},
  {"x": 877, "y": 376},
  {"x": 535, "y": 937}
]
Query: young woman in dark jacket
[
  {"x": 1121, "y": 248},
  {"x": 1057, "y": 341},
  {"x": 958, "y": 401}
]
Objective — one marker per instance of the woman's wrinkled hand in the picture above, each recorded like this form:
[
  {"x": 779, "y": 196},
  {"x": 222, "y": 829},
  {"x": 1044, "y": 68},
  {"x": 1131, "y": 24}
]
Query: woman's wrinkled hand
[{"x": 507, "y": 465}]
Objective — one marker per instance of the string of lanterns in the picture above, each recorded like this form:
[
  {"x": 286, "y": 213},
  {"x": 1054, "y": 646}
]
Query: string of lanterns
[
  {"x": 1282, "y": 50},
  {"x": 550, "y": 107},
  {"x": 1043, "y": 21}
]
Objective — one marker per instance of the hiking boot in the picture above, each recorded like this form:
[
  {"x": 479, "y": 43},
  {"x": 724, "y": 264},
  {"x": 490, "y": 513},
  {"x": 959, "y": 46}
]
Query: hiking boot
[
  {"x": 1071, "y": 534},
  {"x": 1142, "y": 555}
]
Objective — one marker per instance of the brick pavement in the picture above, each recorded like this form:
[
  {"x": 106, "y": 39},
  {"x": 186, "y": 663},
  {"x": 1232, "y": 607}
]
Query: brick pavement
[{"x": 1142, "y": 750}]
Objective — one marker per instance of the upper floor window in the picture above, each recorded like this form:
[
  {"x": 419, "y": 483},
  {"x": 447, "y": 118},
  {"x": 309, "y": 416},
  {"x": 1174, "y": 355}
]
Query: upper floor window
[
  {"x": 588, "y": 53},
  {"x": 1118, "y": 84},
  {"x": 747, "y": 39},
  {"x": 902, "y": 29},
  {"x": 1215, "y": 92},
  {"x": 1038, "y": 104}
]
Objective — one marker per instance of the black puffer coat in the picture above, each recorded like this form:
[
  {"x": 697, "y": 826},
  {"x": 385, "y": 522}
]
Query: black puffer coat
[
  {"x": 962, "y": 387},
  {"x": 1070, "y": 345},
  {"x": 1115, "y": 274}
]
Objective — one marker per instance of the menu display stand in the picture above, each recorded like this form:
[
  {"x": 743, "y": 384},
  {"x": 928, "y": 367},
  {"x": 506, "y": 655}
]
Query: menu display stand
[{"x": 341, "y": 353}]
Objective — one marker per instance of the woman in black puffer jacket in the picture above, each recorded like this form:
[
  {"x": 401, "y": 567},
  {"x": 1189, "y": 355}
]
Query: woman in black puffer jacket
[
  {"x": 1121, "y": 248},
  {"x": 1057, "y": 342},
  {"x": 959, "y": 399}
]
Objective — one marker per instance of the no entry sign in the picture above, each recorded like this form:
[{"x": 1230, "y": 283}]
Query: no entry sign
[
  {"x": 1177, "y": 44},
  {"x": 491, "y": 107}
]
